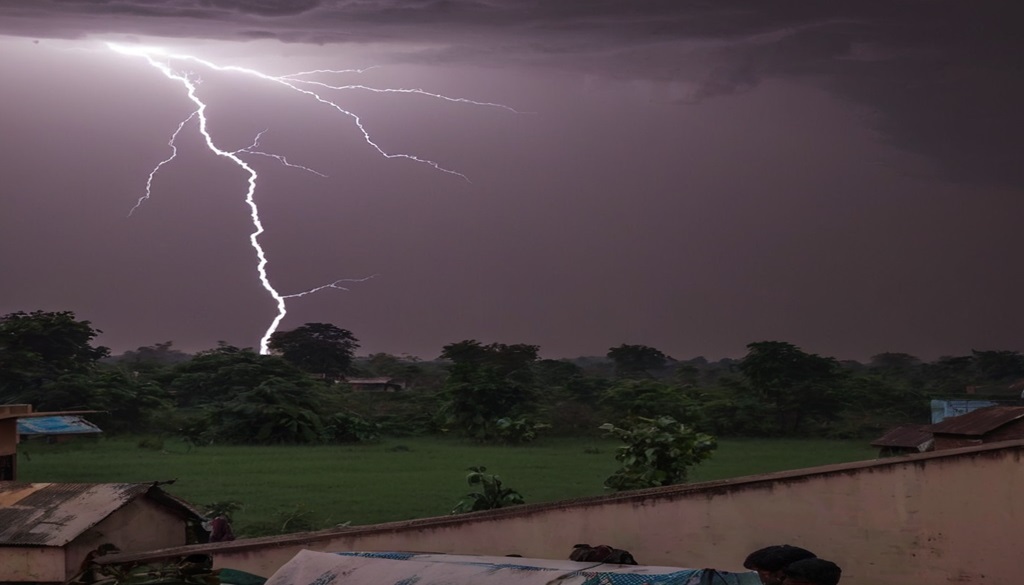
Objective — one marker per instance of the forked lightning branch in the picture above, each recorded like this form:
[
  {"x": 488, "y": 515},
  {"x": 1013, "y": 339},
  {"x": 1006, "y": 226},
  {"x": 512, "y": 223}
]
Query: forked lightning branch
[{"x": 308, "y": 88}]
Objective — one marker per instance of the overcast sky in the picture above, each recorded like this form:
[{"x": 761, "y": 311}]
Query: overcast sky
[{"x": 691, "y": 175}]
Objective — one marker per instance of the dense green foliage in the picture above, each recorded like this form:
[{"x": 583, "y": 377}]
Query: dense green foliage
[
  {"x": 488, "y": 392},
  {"x": 637, "y": 361},
  {"x": 38, "y": 349},
  {"x": 795, "y": 387},
  {"x": 488, "y": 386}
]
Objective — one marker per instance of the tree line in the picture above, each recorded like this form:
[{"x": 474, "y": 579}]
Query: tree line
[{"x": 488, "y": 392}]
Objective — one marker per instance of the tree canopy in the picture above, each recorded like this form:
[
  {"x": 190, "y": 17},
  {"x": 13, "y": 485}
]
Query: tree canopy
[
  {"x": 487, "y": 383},
  {"x": 632, "y": 361},
  {"x": 796, "y": 385},
  {"x": 221, "y": 374},
  {"x": 38, "y": 348},
  {"x": 317, "y": 348}
]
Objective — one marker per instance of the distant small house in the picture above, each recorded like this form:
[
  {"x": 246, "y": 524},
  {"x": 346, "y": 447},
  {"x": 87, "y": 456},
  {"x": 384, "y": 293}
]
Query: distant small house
[
  {"x": 56, "y": 428},
  {"x": 985, "y": 425},
  {"x": 48, "y": 529},
  {"x": 904, "y": 440},
  {"x": 376, "y": 384}
]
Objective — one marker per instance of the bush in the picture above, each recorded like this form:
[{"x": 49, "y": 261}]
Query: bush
[
  {"x": 351, "y": 428},
  {"x": 516, "y": 431},
  {"x": 657, "y": 452},
  {"x": 491, "y": 496}
]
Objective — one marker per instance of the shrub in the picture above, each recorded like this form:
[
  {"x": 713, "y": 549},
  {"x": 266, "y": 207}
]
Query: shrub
[
  {"x": 657, "y": 452},
  {"x": 491, "y": 496}
]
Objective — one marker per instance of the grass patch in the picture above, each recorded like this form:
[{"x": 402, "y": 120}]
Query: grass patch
[{"x": 392, "y": 480}]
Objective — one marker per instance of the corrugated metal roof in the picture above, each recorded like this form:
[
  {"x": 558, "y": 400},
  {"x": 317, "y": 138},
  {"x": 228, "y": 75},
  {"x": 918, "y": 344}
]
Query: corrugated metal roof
[
  {"x": 56, "y": 425},
  {"x": 979, "y": 422},
  {"x": 909, "y": 436},
  {"x": 54, "y": 514}
]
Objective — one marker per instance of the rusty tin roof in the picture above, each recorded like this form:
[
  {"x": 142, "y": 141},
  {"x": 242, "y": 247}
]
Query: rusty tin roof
[
  {"x": 54, "y": 514},
  {"x": 978, "y": 422},
  {"x": 910, "y": 436}
]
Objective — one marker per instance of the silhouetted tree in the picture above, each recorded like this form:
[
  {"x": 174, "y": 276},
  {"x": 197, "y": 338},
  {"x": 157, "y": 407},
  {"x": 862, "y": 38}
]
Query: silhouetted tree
[
  {"x": 796, "y": 386},
  {"x": 317, "y": 348},
  {"x": 893, "y": 364},
  {"x": 38, "y": 348},
  {"x": 998, "y": 366},
  {"x": 487, "y": 383},
  {"x": 633, "y": 361}
]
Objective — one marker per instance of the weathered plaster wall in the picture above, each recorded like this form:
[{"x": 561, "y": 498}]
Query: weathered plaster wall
[
  {"x": 952, "y": 516},
  {"x": 8, "y": 436},
  {"x": 32, "y": 564},
  {"x": 140, "y": 525}
]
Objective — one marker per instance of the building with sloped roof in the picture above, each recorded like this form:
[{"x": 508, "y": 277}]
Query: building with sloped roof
[
  {"x": 985, "y": 425},
  {"x": 56, "y": 428},
  {"x": 48, "y": 529},
  {"x": 379, "y": 384},
  {"x": 904, "y": 440}
]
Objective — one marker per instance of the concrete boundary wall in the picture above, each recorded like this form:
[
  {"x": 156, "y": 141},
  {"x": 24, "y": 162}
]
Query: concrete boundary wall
[{"x": 945, "y": 517}]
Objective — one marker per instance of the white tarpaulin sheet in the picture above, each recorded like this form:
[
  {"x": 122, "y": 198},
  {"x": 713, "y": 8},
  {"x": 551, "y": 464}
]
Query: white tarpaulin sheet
[{"x": 316, "y": 568}]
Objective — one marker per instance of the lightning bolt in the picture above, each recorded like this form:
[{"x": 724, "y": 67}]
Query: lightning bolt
[
  {"x": 162, "y": 60},
  {"x": 256, "y": 143},
  {"x": 335, "y": 285},
  {"x": 159, "y": 165}
]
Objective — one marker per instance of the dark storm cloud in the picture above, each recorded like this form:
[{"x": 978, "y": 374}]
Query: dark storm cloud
[
  {"x": 941, "y": 78},
  {"x": 184, "y": 8},
  {"x": 725, "y": 80}
]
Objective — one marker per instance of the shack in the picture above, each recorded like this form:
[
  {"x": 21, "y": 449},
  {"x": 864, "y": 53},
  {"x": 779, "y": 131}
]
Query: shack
[
  {"x": 904, "y": 440},
  {"x": 985, "y": 425},
  {"x": 56, "y": 429},
  {"x": 48, "y": 529}
]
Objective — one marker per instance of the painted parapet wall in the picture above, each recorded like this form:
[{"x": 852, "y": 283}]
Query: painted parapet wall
[{"x": 950, "y": 516}]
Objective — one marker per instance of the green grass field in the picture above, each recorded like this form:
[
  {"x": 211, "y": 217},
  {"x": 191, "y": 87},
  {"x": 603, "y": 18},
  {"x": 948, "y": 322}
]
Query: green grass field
[{"x": 396, "y": 479}]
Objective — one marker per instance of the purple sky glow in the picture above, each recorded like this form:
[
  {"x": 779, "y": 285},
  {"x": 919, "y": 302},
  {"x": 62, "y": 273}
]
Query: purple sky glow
[{"x": 689, "y": 175}]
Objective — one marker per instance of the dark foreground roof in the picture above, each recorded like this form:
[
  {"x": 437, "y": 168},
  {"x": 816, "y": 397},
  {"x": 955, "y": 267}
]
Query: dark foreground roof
[
  {"x": 54, "y": 514},
  {"x": 906, "y": 436},
  {"x": 978, "y": 422}
]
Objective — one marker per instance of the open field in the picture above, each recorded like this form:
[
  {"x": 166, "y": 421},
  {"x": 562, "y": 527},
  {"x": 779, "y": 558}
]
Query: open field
[{"x": 395, "y": 479}]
